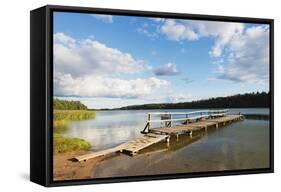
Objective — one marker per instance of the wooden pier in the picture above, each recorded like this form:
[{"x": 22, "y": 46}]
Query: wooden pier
[{"x": 191, "y": 122}]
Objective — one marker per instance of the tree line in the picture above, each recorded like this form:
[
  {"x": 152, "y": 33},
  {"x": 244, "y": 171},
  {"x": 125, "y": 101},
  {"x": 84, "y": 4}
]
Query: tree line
[
  {"x": 68, "y": 105},
  {"x": 248, "y": 100}
]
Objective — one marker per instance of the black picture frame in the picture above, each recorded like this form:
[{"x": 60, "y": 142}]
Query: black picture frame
[{"x": 41, "y": 61}]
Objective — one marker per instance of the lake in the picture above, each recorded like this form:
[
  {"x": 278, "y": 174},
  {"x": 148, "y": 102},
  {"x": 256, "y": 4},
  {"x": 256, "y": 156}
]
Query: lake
[{"x": 240, "y": 145}]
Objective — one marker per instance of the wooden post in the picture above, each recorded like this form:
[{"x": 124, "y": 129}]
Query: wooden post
[
  {"x": 170, "y": 119},
  {"x": 168, "y": 140},
  {"x": 148, "y": 121}
]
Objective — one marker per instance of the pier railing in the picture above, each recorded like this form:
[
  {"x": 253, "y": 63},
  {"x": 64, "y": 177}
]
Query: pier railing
[{"x": 186, "y": 117}]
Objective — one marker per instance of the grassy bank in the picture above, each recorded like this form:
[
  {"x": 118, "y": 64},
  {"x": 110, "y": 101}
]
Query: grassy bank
[
  {"x": 73, "y": 115},
  {"x": 63, "y": 144},
  {"x": 61, "y": 118}
]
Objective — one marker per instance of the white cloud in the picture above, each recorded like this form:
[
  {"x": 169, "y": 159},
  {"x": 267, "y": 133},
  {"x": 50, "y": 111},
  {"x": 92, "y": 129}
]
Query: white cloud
[
  {"x": 61, "y": 38},
  {"x": 167, "y": 69},
  {"x": 104, "y": 18},
  {"x": 88, "y": 56},
  {"x": 177, "y": 31},
  {"x": 143, "y": 30},
  {"x": 245, "y": 49},
  {"x": 158, "y": 19},
  {"x": 248, "y": 60},
  {"x": 93, "y": 86},
  {"x": 181, "y": 97},
  {"x": 222, "y": 31}
]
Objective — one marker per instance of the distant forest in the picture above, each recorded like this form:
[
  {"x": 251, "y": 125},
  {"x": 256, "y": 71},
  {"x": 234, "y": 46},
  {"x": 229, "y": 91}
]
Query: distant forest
[
  {"x": 248, "y": 100},
  {"x": 68, "y": 105}
]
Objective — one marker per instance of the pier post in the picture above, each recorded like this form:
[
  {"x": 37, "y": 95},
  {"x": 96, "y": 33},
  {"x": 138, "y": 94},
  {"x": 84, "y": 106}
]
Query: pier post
[
  {"x": 148, "y": 120},
  {"x": 168, "y": 139}
]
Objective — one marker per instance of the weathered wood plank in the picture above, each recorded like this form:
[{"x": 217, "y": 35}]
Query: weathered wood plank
[
  {"x": 132, "y": 146},
  {"x": 143, "y": 142},
  {"x": 98, "y": 154}
]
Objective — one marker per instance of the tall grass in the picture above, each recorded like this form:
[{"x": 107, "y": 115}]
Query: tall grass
[
  {"x": 73, "y": 115},
  {"x": 60, "y": 126},
  {"x": 61, "y": 118},
  {"x": 63, "y": 144}
]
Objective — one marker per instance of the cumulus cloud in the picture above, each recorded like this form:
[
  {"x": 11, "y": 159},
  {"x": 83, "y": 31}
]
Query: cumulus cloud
[
  {"x": 166, "y": 70},
  {"x": 104, "y": 18},
  {"x": 177, "y": 31},
  {"x": 88, "y": 56},
  {"x": 96, "y": 86},
  {"x": 245, "y": 49},
  {"x": 223, "y": 32},
  {"x": 61, "y": 38},
  {"x": 88, "y": 68},
  {"x": 248, "y": 60}
]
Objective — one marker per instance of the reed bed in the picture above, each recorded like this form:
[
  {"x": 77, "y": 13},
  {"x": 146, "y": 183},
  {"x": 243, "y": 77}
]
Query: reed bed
[{"x": 73, "y": 115}]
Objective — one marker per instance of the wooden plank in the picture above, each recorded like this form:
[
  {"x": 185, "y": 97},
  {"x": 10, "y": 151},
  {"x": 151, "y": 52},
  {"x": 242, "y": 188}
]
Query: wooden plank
[
  {"x": 224, "y": 119},
  {"x": 178, "y": 119},
  {"x": 132, "y": 146},
  {"x": 98, "y": 154},
  {"x": 143, "y": 142},
  {"x": 177, "y": 129}
]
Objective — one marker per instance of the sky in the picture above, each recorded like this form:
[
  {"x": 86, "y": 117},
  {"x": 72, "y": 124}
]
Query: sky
[{"x": 113, "y": 61}]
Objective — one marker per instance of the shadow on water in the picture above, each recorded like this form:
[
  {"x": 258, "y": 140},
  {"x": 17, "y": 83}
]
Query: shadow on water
[
  {"x": 177, "y": 144},
  {"x": 257, "y": 117}
]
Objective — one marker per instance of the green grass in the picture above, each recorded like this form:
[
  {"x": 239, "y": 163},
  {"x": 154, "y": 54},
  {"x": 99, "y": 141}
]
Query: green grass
[
  {"x": 61, "y": 119},
  {"x": 73, "y": 115},
  {"x": 63, "y": 144},
  {"x": 60, "y": 126}
]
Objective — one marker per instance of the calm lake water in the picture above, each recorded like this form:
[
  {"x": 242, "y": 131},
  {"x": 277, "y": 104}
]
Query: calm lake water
[{"x": 240, "y": 145}]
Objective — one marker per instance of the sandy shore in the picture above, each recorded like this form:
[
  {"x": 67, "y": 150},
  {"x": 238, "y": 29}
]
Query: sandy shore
[{"x": 65, "y": 169}]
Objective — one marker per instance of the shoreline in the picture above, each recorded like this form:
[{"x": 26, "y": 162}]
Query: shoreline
[{"x": 65, "y": 169}]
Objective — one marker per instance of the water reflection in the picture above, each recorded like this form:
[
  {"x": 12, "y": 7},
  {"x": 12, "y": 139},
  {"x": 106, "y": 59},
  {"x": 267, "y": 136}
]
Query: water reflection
[{"x": 241, "y": 145}]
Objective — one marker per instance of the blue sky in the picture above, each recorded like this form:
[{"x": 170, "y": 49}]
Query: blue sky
[{"x": 112, "y": 61}]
